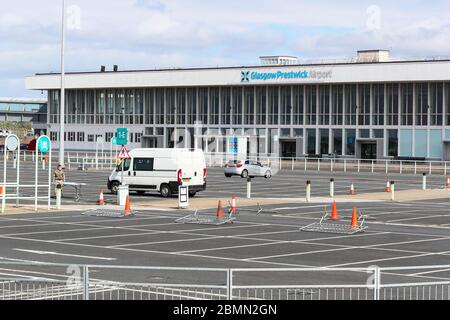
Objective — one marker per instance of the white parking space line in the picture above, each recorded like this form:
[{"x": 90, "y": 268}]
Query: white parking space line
[
  {"x": 233, "y": 247},
  {"x": 107, "y": 236},
  {"x": 420, "y": 218},
  {"x": 137, "y": 244},
  {"x": 430, "y": 272},
  {"x": 298, "y": 254},
  {"x": 160, "y": 252},
  {"x": 389, "y": 259},
  {"x": 51, "y": 253},
  {"x": 340, "y": 248}
]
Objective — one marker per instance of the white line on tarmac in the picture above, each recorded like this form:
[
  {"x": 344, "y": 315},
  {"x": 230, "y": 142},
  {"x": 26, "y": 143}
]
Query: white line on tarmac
[
  {"x": 63, "y": 254},
  {"x": 233, "y": 247},
  {"x": 355, "y": 247},
  {"x": 429, "y": 272},
  {"x": 409, "y": 225},
  {"x": 299, "y": 253},
  {"x": 162, "y": 242},
  {"x": 296, "y": 208},
  {"x": 390, "y": 259},
  {"x": 161, "y": 252},
  {"x": 109, "y": 236},
  {"x": 419, "y": 218}
]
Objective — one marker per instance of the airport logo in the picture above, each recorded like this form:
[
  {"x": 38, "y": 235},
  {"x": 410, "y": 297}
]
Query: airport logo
[
  {"x": 248, "y": 76},
  {"x": 245, "y": 76}
]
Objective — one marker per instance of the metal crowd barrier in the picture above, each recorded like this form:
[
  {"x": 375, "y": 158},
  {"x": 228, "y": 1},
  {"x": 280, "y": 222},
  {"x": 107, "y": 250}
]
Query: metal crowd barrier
[{"x": 22, "y": 281}]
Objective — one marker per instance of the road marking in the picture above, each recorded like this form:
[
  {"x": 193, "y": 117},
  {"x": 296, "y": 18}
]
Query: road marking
[
  {"x": 63, "y": 254},
  {"x": 390, "y": 259},
  {"x": 419, "y": 218},
  {"x": 429, "y": 272}
]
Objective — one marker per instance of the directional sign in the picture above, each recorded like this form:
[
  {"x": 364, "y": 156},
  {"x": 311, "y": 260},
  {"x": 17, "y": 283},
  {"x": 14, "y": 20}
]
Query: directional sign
[
  {"x": 12, "y": 142},
  {"x": 124, "y": 154},
  {"x": 44, "y": 144},
  {"x": 122, "y": 136}
]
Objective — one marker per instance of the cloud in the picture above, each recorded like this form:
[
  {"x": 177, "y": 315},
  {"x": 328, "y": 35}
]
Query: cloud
[{"x": 178, "y": 33}]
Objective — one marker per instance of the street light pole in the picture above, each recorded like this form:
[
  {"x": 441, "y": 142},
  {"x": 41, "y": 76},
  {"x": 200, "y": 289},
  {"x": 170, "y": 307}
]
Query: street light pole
[{"x": 63, "y": 91}]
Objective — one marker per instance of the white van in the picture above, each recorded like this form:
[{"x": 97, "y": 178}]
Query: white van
[{"x": 161, "y": 170}]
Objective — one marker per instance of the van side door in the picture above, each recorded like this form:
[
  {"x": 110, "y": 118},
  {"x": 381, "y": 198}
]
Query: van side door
[{"x": 142, "y": 174}]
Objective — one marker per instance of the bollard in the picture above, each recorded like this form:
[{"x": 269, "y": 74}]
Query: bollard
[
  {"x": 43, "y": 163},
  {"x": 308, "y": 191},
  {"x": 424, "y": 182},
  {"x": 15, "y": 162},
  {"x": 393, "y": 190},
  {"x": 249, "y": 188},
  {"x": 58, "y": 192},
  {"x": 332, "y": 188}
]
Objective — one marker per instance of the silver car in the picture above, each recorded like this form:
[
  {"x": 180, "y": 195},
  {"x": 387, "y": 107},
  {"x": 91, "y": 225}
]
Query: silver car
[{"x": 248, "y": 168}]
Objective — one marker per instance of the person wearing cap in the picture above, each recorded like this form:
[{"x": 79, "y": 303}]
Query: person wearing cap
[{"x": 59, "y": 177}]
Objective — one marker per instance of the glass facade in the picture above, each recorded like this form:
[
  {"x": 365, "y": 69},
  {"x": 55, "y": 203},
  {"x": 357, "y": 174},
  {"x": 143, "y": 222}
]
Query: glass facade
[
  {"x": 16, "y": 111},
  {"x": 329, "y": 117}
]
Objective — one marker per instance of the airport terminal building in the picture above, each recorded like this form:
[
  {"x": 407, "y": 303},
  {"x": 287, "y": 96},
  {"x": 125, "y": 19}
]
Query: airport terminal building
[{"x": 371, "y": 107}]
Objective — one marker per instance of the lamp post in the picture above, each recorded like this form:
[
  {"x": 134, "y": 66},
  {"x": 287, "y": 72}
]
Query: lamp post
[{"x": 63, "y": 91}]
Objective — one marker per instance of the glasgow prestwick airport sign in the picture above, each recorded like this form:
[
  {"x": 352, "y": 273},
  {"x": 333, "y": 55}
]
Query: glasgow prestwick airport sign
[{"x": 248, "y": 76}]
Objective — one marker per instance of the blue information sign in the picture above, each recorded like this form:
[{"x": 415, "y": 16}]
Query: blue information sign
[
  {"x": 44, "y": 144},
  {"x": 122, "y": 136}
]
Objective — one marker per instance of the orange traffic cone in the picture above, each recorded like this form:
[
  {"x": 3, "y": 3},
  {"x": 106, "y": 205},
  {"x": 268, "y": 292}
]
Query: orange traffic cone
[
  {"x": 233, "y": 205},
  {"x": 334, "y": 212},
  {"x": 388, "y": 187},
  {"x": 448, "y": 182},
  {"x": 352, "y": 190},
  {"x": 101, "y": 199},
  {"x": 128, "y": 211},
  {"x": 355, "y": 219},
  {"x": 219, "y": 210}
]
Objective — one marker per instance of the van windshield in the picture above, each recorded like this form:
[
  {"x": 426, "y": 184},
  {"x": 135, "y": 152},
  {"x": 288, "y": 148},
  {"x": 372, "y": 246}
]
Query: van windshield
[{"x": 126, "y": 165}]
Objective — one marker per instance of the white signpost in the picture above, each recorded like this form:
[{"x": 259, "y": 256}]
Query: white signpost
[
  {"x": 44, "y": 146},
  {"x": 12, "y": 144},
  {"x": 123, "y": 191}
]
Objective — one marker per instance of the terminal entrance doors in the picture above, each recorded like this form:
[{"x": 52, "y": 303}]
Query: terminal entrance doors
[
  {"x": 369, "y": 151},
  {"x": 288, "y": 149}
]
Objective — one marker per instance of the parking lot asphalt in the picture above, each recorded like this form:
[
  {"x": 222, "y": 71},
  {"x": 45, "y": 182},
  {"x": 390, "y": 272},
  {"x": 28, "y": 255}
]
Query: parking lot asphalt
[
  {"x": 285, "y": 184},
  {"x": 399, "y": 234}
]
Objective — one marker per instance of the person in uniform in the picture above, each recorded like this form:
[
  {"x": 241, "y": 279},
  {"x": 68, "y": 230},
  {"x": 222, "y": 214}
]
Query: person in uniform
[{"x": 60, "y": 177}]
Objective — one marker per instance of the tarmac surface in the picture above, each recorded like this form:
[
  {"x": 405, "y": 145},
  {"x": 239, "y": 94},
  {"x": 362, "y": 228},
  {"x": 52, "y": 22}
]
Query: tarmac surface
[
  {"x": 400, "y": 234},
  {"x": 285, "y": 184}
]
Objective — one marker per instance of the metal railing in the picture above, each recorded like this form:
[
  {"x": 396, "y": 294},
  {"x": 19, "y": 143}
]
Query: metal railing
[
  {"x": 20, "y": 281},
  {"x": 107, "y": 160},
  {"x": 351, "y": 165}
]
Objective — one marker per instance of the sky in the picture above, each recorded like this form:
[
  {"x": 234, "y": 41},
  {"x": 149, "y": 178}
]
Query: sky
[{"x": 147, "y": 34}]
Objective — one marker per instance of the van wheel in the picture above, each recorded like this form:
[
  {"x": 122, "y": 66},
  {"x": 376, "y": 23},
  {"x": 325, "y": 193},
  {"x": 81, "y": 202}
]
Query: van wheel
[
  {"x": 268, "y": 175},
  {"x": 228, "y": 176},
  {"x": 115, "y": 187},
  {"x": 244, "y": 174},
  {"x": 192, "y": 194},
  {"x": 165, "y": 191}
]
